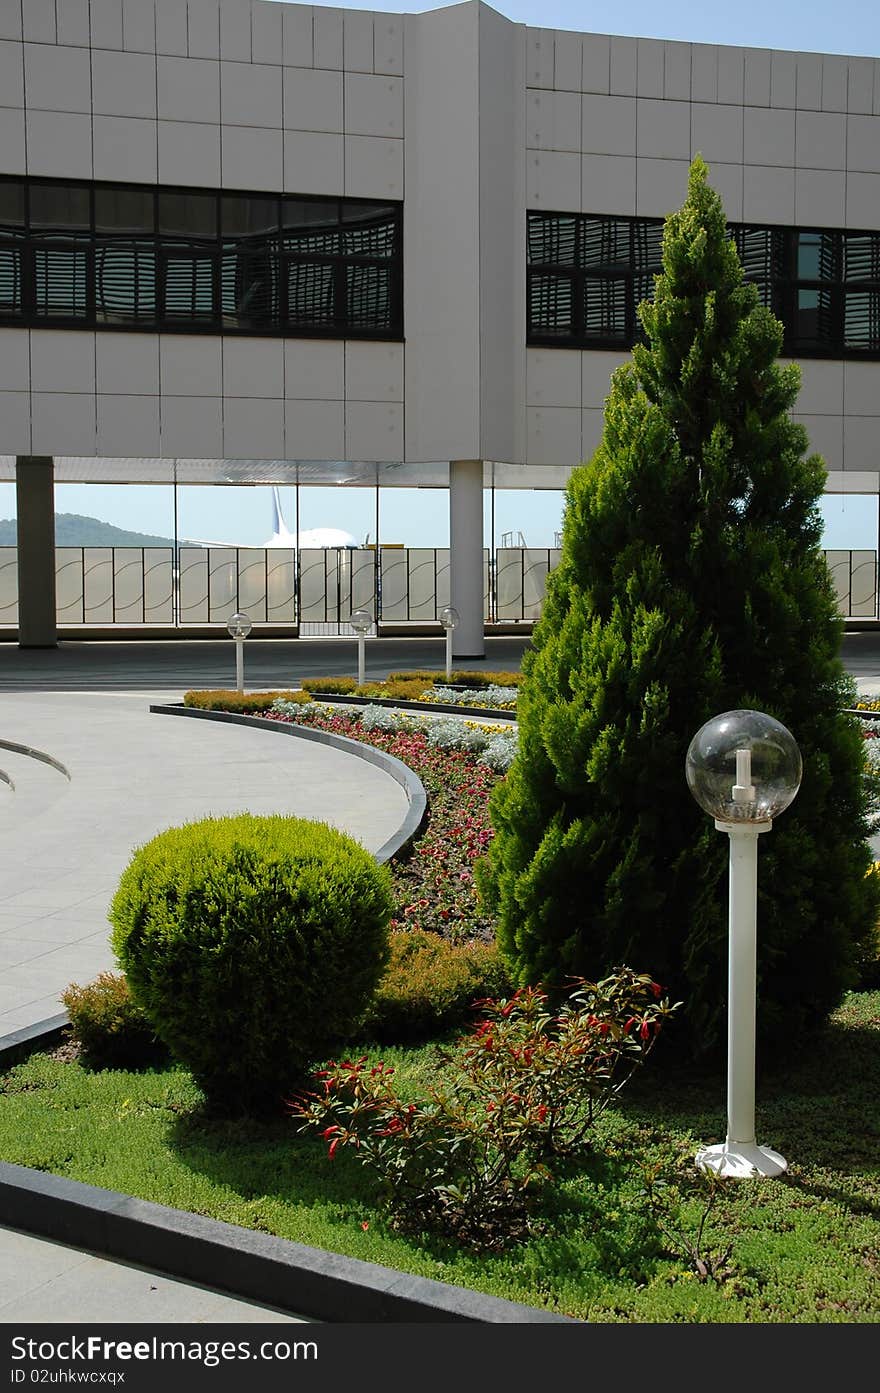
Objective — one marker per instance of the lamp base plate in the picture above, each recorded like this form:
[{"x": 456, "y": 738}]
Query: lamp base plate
[{"x": 740, "y": 1160}]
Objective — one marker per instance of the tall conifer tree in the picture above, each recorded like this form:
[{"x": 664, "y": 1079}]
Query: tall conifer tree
[{"x": 691, "y": 582}]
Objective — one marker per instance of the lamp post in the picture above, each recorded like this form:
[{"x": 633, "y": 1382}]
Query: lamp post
[
  {"x": 449, "y": 620},
  {"x": 360, "y": 620},
  {"x": 239, "y": 626},
  {"x": 743, "y": 768}
]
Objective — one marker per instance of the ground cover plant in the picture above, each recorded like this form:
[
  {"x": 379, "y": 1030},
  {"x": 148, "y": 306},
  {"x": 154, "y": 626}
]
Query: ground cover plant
[{"x": 800, "y": 1249}]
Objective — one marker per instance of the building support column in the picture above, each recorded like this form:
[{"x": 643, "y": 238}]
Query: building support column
[
  {"x": 466, "y": 556},
  {"x": 35, "y": 504}
]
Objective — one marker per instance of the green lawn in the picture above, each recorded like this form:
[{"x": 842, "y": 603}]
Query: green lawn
[{"x": 804, "y": 1248}]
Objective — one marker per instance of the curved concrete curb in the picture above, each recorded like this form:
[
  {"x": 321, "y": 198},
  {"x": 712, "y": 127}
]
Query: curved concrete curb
[
  {"x": 252, "y": 1265},
  {"x": 40, "y": 755},
  {"x": 411, "y": 784}
]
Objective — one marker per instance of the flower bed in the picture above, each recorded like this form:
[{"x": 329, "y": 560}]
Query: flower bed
[{"x": 434, "y": 883}]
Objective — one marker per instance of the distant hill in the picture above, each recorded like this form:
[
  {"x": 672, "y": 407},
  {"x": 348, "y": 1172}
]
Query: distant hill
[{"x": 74, "y": 530}]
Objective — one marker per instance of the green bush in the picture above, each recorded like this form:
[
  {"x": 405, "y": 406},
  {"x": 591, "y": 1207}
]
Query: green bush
[
  {"x": 241, "y": 702},
  {"x": 470, "y": 1155},
  {"x": 398, "y": 690},
  {"x": 251, "y": 943},
  {"x": 112, "y": 1031},
  {"x": 337, "y": 686},
  {"x": 421, "y": 674},
  {"x": 463, "y": 678},
  {"x": 430, "y": 985}
]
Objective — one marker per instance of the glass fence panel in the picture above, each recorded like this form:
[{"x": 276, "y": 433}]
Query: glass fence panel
[
  {"x": 98, "y": 585},
  {"x": 252, "y": 582},
  {"x": 509, "y": 583},
  {"x": 281, "y": 586},
  {"x": 69, "y": 562},
  {"x": 313, "y": 575},
  {"x": 128, "y": 585},
  {"x": 423, "y": 565},
  {"x": 193, "y": 585},
  {"x": 444, "y": 589},
  {"x": 222, "y": 584},
  {"x": 536, "y": 565},
  {"x": 394, "y": 589},
  {"x": 363, "y": 581},
  {"x": 336, "y": 576},
  {"x": 838, "y": 565},
  {"x": 863, "y": 585},
  {"x": 8, "y": 585},
  {"x": 158, "y": 585}
]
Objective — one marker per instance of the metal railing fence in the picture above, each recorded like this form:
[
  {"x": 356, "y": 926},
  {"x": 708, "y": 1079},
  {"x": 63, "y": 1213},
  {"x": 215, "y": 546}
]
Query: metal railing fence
[{"x": 317, "y": 589}]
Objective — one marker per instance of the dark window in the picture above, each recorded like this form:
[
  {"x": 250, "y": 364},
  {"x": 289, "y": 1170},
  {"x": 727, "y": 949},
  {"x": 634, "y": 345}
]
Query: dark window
[
  {"x": 861, "y": 291},
  {"x": 594, "y": 272},
  {"x": 249, "y": 274},
  {"x": 12, "y": 236},
  {"x": 60, "y": 236},
  {"x": 120, "y": 256},
  {"x": 125, "y": 256},
  {"x": 586, "y": 277},
  {"x": 762, "y": 253}
]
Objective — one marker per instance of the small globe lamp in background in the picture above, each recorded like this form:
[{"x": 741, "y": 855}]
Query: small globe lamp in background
[
  {"x": 361, "y": 620},
  {"x": 743, "y": 768},
  {"x": 449, "y": 620},
  {"x": 239, "y": 626}
]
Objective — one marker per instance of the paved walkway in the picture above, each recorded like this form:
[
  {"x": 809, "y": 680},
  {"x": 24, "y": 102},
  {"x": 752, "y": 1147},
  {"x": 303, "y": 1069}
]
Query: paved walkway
[
  {"x": 63, "y": 845},
  {"x": 45, "y": 1282}
]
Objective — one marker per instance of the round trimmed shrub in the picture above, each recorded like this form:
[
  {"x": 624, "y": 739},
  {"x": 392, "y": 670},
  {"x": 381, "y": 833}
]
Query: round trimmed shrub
[{"x": 251, "y": 943}]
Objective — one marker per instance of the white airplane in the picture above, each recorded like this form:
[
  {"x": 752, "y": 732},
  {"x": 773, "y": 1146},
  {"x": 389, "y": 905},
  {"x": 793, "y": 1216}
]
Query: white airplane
[
  {"x": 316, "y": 538},
  {"x": 313, "y": 537}
]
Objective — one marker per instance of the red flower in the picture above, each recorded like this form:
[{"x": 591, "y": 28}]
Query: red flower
[
  {"x": 656, "y": 988},
  {"x": 333, "y": 1145},
  {"x": 365, "y": 1225},
  {"x": 645, "y": 1030},
  {"x": 330, "y": 1132}
]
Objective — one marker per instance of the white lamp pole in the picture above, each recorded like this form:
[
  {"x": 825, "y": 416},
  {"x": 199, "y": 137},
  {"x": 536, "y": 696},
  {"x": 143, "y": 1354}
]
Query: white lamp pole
[
  {"x": 449, "y": 620},
  {"x": 743, "y": 806},
  {"x": 360, "y": 620},
  {"x": 239, "y": 626}
]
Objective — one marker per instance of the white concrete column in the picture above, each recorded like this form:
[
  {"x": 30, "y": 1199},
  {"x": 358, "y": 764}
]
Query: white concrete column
[
  {"x": 35, "y": 503},
  {"x": 466, "y": 556}
]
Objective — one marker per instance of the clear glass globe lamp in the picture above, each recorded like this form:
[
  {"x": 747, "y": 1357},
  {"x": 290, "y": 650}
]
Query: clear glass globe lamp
[{"x": 743, "y": 766}]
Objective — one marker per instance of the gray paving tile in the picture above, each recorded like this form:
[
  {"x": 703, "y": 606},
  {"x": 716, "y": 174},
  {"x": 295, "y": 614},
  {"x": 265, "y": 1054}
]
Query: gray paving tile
[{"x": 51, "y": 1283}]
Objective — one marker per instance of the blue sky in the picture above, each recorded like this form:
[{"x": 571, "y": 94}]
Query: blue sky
[{"x": 244, "y": 515}]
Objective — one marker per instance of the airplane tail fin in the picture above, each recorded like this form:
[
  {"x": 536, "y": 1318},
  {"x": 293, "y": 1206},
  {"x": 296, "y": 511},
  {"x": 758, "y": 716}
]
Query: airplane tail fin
[{"x": 277, "y": 518}]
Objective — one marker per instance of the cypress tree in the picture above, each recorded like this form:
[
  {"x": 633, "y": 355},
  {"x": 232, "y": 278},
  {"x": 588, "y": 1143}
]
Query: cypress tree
[{"x": 691, "y": 582}]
